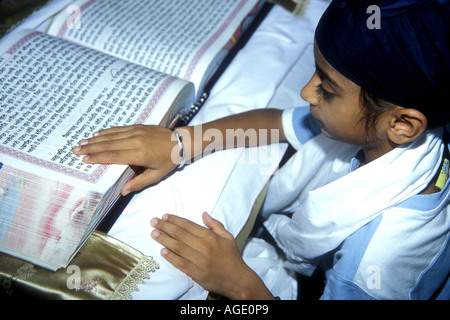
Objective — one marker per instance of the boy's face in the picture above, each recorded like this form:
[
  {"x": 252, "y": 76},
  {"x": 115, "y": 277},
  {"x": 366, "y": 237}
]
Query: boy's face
[{"x": 335, "y": 103}]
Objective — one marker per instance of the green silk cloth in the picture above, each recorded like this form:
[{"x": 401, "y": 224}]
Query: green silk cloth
[{"x": 104, "y": 269}]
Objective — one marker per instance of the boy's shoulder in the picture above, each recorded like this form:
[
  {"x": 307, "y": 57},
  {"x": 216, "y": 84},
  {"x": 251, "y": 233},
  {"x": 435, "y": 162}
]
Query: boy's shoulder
[{"x": 398, "y": 255}]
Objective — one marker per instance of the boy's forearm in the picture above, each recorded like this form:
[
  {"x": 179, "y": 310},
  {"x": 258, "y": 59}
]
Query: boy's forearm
[{"x": 253, "y": 128}]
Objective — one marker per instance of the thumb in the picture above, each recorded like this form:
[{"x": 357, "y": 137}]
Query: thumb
[
  {"x": 216, "y": 226},
  {"x": 142, "y": 180}
]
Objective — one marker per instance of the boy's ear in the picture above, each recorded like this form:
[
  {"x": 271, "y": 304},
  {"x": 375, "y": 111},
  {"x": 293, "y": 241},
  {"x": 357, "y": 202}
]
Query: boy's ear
[{"x": 406, "y": 125}]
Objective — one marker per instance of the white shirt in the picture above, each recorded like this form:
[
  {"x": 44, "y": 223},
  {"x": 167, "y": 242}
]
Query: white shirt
[{"x": 366, "y": 220}]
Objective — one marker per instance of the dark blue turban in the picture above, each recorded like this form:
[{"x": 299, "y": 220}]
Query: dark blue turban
[{"x": 402, "y": 58}]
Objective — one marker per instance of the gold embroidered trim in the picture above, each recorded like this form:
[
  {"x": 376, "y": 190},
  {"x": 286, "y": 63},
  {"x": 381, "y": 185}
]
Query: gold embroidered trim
[
  {"x": 26, "y": 271},
  {"x": 134, "y": 278}
]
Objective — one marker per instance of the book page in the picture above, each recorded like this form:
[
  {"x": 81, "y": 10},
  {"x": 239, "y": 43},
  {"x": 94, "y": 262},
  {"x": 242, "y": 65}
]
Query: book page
[
  {"x": 178, "y": 37},
  {"x": 55, "y": 93}
]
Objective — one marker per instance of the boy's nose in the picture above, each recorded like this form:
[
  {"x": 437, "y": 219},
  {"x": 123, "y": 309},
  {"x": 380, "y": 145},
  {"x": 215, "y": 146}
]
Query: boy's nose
[{"x": 309, "y": 91}]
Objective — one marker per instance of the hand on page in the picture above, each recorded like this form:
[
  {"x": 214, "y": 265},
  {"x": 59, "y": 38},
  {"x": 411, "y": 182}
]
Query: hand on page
[{"x": 144, "y": 146}]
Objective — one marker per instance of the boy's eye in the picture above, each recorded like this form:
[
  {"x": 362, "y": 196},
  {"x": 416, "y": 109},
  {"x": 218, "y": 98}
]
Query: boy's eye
[{"x": 326, "y": 95}]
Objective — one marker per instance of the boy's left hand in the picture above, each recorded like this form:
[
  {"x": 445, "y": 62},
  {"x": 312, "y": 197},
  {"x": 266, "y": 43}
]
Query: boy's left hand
[{"x": 210, "y": 256}]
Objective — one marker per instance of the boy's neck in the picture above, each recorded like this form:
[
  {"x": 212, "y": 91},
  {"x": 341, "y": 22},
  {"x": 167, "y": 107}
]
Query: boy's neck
[{"x": 367, "y": 155}]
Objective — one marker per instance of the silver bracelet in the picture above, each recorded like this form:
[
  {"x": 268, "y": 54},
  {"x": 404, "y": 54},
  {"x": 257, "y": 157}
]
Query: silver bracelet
[{"x": 181, "y": 145}]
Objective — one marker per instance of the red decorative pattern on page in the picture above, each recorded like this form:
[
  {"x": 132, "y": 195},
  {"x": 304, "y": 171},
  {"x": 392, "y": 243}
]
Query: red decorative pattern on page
[{"x": 34, "y": 219}]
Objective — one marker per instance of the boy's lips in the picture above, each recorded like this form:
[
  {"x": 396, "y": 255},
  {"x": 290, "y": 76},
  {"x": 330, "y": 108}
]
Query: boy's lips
[{"x": 315, "y": 117}]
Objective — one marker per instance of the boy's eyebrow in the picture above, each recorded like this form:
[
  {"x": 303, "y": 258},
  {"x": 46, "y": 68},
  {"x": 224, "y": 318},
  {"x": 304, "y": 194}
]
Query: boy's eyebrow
[{"x": 325, "y": 76}]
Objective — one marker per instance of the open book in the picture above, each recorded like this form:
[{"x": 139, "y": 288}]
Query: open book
[{"x": 101, "y": 63}]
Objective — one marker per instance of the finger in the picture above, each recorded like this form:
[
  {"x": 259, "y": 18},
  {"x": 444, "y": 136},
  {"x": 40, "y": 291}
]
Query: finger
[
  {"x": 216, "y": 226},
  {"x": 175, "y": 245},
  {"x": 194, "y": 228},
  {"x": 112, "y": 141},
  {"x": 176, "y": 253},
  {"x": 144, "y": 179},
  {"x": 135, "y": 129},
  {"x": 124, "y": 157},
  {"x": 181, "y": 263},
  {"x": 178, "y": 228},
  {"x": 175, "y": 239},
  {"x": 113, "y": 130},
  {"x": 107, "y": 134},
  {"x": 199, "y": 238},
  {"x": 103, "y": 147}
]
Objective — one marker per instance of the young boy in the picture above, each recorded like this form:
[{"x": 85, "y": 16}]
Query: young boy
[{"x": 368, "y": 191}]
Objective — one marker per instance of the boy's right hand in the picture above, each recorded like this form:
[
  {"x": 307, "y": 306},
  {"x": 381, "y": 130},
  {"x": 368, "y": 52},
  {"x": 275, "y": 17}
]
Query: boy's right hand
[{"x": 144, "y": 146}]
